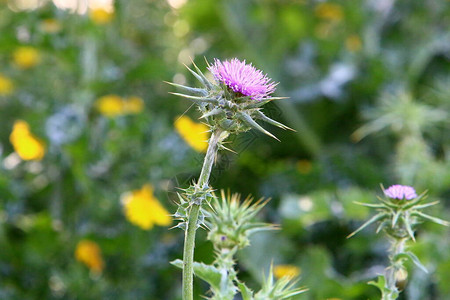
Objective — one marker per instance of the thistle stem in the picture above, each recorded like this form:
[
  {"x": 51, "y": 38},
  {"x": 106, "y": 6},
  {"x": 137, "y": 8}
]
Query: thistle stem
[
  {"x": 398, "y": 246},
  {"x": 189, "y": 240}
]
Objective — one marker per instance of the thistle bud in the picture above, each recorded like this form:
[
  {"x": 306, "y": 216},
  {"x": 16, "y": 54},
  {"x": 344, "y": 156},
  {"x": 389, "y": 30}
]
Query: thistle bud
[
  {"x": 399, "y": 211},
  {"x": 231, "y": 222}
]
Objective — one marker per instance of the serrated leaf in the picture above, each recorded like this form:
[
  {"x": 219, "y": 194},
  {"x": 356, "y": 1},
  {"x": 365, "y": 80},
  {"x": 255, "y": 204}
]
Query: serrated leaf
[
  {"x": 208, "y": 273},
  {"x": 380, "y": 283},
  {"x": 246, "y": 293}
]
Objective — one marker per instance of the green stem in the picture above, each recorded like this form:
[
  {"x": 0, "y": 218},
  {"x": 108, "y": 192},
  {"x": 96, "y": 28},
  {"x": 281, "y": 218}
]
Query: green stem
[
  {"x": 398, "y": 246},
  {"x": 189, "y": 241}
]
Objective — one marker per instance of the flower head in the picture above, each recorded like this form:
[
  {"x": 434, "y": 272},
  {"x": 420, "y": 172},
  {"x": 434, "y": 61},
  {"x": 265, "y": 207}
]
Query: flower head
[
  {"x": 242, "y": 78},
  {"x": 89, "y": 253},
  {"x": 6, "y": 86},
  {"x": 400, "y": 192},
  {"x": 25, "y": 143},
  {"x": 26, "y": 57},
  {"x": 113, "y": 105},
  {"x": 144, "y": 210}
]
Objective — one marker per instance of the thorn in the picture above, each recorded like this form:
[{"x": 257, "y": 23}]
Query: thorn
[
  {"x": 271, "y": 121},
  {"x": 225, "y": 148},
  {"x": 247, "y": 119},
  {"x": 195, "y": 98},
  {"x": 197, "y": 91}
]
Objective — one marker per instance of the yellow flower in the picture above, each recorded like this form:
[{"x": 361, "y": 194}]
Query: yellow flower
[
  {"x": 353, "y": 43},
  {"x": 110, "y": 106},
  {"x": 6, "y": 86},
  {"x": 26, "y": 57},
  {"x": 27, "y": 146},
  {"x": 329, "y": 11},
  {"x": 133, "y": 105},
  {"x": 101, "y": 16},
  {"x": 286, "y": 271},
  {"x": 89, "y": 253},
  {"x": 144, "y": 210},
  {"x": 50, "y": 26},
  {"x": 195, "y": 134}
]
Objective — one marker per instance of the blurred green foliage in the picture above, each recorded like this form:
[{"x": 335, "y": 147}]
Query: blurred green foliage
[{"x": 342, "y": 63}]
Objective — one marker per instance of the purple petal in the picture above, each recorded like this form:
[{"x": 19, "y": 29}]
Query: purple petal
[
  {"x": 242, "y": 78},
  {"x": 400, "y": 192}
]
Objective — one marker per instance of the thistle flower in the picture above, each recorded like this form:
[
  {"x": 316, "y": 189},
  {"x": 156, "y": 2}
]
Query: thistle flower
[
  {"x": 242, "y": 78},
  {"x": 400, "y": 192},
  {"x": 234, "y": 100}
]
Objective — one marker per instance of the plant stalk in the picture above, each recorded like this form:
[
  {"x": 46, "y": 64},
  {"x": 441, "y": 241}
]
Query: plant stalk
[
  {"x": 189, "y": 240},
  {"x": 398, "y": 246}
]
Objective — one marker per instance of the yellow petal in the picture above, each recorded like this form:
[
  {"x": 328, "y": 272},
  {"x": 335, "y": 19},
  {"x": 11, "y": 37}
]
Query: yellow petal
[
  {"x": 6, "y": 86},
  {"x": 26, "y": 57},
  {"x": 329, "y": 11},
  {"x": 89, "y": 253},
  {"x": 353, "y": 43},
  {"x": 286, "y": 271},
  {"x": 110, "y": 106},
  {"x": 27, "y": 146},
  {"x": 101, "y": 16},
  {"x": 134, "y": 105},
  {"x": 195, "y": 134},
  {"x": 144, "y": 210}
]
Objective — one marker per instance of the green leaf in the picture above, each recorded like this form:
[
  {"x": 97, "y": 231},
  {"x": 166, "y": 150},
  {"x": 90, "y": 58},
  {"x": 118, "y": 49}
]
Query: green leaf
[
  {"x": 246, "y": 293},
  {"x": 208, "y": 273},
  {"x": 380, "y": 283},
  {"x": 416, "y": 261}
]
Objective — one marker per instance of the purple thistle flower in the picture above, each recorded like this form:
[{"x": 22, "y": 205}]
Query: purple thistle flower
[
  {"x": 242, "y": 78},
  {"x": 398, "y": 191}
]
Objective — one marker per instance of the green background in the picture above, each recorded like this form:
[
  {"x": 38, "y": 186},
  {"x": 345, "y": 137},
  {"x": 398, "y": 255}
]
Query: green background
[{"x": 396, "y": 81}]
